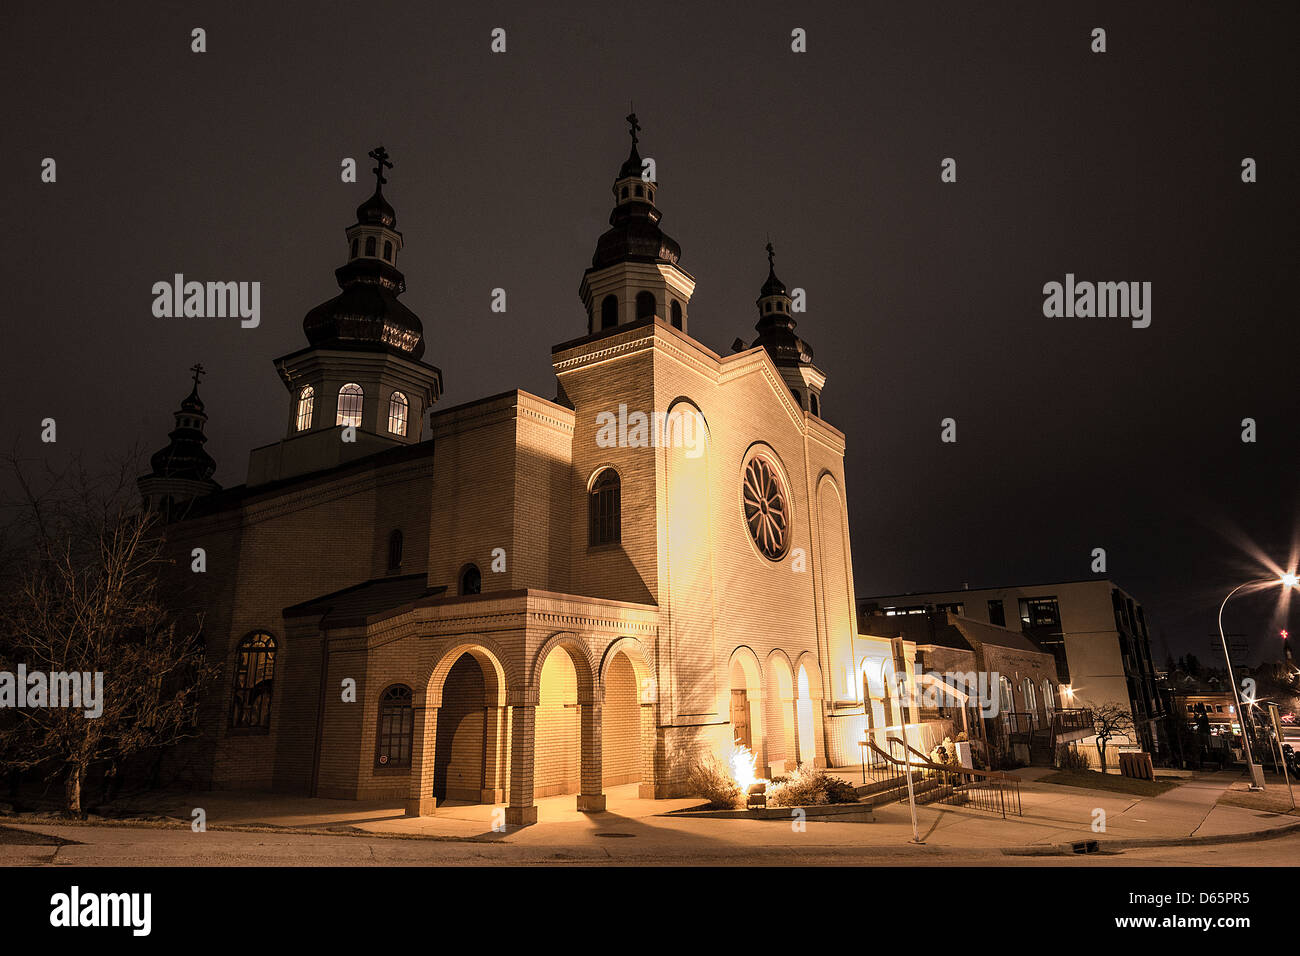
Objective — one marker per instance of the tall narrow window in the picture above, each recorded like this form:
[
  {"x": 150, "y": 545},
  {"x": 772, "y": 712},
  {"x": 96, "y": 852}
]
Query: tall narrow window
[
  {"x": 604, "y": 509},
  {"x": 815, "y": 405},
  {"x": 354, "y": 248},
  {"x": 471, "y": 580},
  {"x": 395, "y": 551},
  {"x": 254, "y": 681},
  {"x": 396, "y": 728},
  {"x": 370, "y": 245},
  {"x": 306, "y": 399},
  {"x": 388, "y": 251},
  {"x": 609, "y": 312},
  {"x": 397, "y": 413},
  {"x": 997, "y": 614},
  {"x": 350, "y": 397},
  {"x": 677, "y": 314},
  {"x": 645, "y": 305}
]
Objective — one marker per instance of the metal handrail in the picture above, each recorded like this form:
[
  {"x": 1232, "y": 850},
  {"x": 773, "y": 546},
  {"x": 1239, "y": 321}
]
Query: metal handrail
[{"x": 976, "y": 794}]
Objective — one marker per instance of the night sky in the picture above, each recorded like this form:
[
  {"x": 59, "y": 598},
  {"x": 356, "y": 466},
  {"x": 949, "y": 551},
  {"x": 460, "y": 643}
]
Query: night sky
[{"x": 924, "y": 299}]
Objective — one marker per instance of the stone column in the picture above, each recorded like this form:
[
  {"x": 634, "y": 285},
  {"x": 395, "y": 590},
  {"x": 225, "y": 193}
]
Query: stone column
[
  {"x": 522, "y": 811},
  {"x": 420, "y": 801},
  {"x": 591, "y": 798}
]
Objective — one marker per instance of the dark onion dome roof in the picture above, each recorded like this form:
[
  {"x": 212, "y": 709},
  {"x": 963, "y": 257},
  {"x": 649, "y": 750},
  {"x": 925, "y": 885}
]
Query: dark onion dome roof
[
  {"x": 184, "y": 456},
  {"x": 366, "y": 314},
  {"x": 376, "y": 211},
  {"x": 776, "y": 328},
  {"x": 773, "y": 285},
  {"x": 783, "y": 345},
  {"x": 635, "y": 236}
]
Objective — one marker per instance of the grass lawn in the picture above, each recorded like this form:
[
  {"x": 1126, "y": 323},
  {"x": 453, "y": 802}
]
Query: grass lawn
[
  {"x": 1274, "y": 798},
  {"x": 1093, "y": 780}
]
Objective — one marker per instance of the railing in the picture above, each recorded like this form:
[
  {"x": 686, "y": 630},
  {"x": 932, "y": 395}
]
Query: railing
[
  {"x": 1074, "y": 718},
  {"x": 979, "y": 789},
  {"x": 1019, "y": 723}
]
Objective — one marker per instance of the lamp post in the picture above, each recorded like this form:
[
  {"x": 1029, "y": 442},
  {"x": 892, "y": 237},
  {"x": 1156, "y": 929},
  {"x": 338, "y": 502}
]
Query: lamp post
[{"x": 1256, "y": 771}]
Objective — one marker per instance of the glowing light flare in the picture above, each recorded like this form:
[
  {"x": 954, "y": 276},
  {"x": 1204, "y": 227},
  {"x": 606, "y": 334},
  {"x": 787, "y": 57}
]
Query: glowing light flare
[{"x": 742, "y": 767}]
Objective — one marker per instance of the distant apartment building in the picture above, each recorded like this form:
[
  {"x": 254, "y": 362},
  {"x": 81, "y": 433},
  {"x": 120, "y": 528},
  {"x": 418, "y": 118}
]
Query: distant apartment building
[{"x": 1094, "y": 629}]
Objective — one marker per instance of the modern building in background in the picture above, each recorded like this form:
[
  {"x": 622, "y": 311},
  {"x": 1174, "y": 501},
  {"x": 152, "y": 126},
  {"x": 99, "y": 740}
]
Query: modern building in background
[{"x": 1094, "y": 629}]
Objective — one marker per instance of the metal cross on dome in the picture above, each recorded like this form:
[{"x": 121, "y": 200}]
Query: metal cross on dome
[
  {"x": 380, "y": 156},
  {"x": 198, "y": 370},
  {"x": 633, "y": 127}
]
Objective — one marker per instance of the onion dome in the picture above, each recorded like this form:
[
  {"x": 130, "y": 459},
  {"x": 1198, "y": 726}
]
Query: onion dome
[
  {"x": 634, "y": 235},
  {"x": 365, "y": 314},
  {"x": 184, "y": 457},
  {"x": 776, "y": 324}
]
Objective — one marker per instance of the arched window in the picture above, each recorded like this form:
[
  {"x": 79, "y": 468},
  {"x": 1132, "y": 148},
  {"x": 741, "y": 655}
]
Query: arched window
[
  {"x": 254, "y": 681},
  {"x": 350, "y": 397},
  {"x": 639, "y": 191},
  {"x": 306, "y": 399},
  {"x": 609, "y": 312},
  {"x": 677, "y": 314},
  {"x": 1031, "y": 704},
  {"x": 1049, "y": 698},
  {"x": 1007, "y": 700},
  {"x": 645, "y": 305},
  {"x": 397, "y": 413},
  {"x": 814, "y": 405},
  {"x": 767, "y": 307},
  {"x": 396, "y": 728},
  {"x": 651, "y": 192},
  {"x": 395, "y": 550},
  {"x": 624, "y": 192},
  {"x": 370, "y": 245},
  {"x": 798, "y": 399},
  {"x": 388, "y": 250},
  {"x": 603, "y": 508},
  {"x": 471, "y": 580},
  {"x": 354, "y": 248}
]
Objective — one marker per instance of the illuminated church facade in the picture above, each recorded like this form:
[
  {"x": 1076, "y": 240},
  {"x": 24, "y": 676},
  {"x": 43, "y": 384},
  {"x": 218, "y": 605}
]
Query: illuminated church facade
[{"x": 524, "y": 596}]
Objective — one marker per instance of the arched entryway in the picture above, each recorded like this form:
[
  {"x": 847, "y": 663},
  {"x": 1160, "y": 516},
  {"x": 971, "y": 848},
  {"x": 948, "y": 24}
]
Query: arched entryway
[
  {"x": 745, "y": 708},
  {"x": 807, "y": 738},
  {"x": 627, "y": 726},
  {"x": 779, "y": 716},
  {"x": 558, "y": 753},
  {"x": 459, "y": 749}
]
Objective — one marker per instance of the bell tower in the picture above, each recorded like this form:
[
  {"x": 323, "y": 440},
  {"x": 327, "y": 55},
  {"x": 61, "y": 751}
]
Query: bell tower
[
  {"x": 792, "y": 356},
  {"x": 634, "y": 275},
  {"x": 360, "y": 386}
]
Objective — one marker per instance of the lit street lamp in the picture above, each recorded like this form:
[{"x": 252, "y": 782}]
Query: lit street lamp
[{"x": 1256, "y": 772}]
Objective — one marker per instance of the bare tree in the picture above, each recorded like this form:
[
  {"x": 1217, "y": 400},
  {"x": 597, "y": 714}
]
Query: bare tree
[
  {"x": 81, "y": 593},
  {"x": 1108, "y": 722}
]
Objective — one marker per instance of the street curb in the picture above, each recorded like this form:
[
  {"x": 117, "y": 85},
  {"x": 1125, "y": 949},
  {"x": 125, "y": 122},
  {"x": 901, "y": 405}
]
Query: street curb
[{"x": 1067, "y": 849}]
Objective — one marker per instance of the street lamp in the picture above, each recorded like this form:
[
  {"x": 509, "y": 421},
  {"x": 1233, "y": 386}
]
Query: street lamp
[{"x": 1288, "y": 580}]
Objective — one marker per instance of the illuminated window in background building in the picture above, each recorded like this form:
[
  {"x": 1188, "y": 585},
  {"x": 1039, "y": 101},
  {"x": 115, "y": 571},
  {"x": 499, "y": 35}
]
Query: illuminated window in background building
[
  {"x": 306, "y": 401},
  {"x": 397, "y": 407},
  {"x": 350, "y": 397},
  {"x": 997, "y": 614}
]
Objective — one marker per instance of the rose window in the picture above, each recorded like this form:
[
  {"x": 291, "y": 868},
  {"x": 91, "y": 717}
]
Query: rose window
[{"x": 766, "y": 512}]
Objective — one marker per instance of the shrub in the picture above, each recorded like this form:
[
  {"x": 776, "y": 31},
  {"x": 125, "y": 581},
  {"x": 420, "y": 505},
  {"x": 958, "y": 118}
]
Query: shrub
[
  {"x": 712, "y": 779},
  {"x": 808, "y": 786},
  {"x": 1071, "y": 758}
]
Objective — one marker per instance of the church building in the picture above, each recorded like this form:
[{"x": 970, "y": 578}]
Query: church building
[{"x": 524, "y": 596}]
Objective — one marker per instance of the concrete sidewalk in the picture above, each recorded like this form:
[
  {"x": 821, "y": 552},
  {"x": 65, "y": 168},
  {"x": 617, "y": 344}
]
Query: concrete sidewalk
[{"x": 1052, "y": 815}]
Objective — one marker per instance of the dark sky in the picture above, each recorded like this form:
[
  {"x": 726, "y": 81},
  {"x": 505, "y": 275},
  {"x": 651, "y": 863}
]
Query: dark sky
[{"x": 924, "y": 299}]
